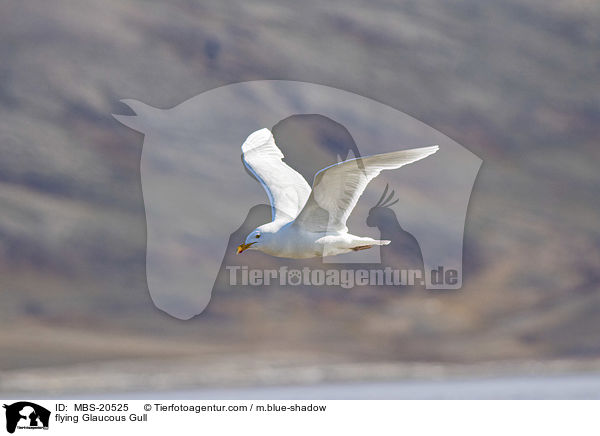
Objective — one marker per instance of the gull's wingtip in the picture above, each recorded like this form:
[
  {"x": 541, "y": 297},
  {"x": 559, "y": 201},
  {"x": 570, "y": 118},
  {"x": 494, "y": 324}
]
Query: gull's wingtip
[
  {"x": 427, "y": 151},
  {"x": 416, "y": 154},
  {"x": 263, "y": 131},
  {"x": 256, "y": 139}
]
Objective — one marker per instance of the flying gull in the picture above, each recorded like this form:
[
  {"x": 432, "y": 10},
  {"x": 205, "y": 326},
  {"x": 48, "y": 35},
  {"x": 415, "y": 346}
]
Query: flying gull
[{"x": 312, "y": 223}]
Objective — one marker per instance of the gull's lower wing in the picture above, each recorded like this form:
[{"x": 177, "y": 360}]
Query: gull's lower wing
[
  {"x": 286, "y": 188},
  {"x": 337, "y": 188}
]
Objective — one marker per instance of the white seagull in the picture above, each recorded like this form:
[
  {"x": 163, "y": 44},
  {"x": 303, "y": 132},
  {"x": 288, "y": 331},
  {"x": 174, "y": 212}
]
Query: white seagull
[{"x": 312, "y": 223}]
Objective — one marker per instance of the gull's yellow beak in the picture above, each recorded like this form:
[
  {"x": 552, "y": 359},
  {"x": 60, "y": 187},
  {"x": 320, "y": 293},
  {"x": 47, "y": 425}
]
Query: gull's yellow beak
[{"x": 243, "y": 247}]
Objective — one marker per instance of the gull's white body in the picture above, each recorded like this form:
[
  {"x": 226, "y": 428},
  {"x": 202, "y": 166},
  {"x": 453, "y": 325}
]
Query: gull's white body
[
  {"x": 291, "y": 241},
  {"x": 311, "y": 223}
]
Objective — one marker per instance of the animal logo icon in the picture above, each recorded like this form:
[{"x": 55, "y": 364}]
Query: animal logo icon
[{"x": 26, "y": 415}]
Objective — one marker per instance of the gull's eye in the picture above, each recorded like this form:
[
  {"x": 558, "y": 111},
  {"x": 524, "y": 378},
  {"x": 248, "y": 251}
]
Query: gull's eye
[{"x": 257, "y": 236}]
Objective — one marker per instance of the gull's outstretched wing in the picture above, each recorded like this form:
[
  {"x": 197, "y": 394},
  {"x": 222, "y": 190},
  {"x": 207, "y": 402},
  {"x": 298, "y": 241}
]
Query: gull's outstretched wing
[
  {"x": 286, "y": 188},
  {"x": 337, "y": 188}
]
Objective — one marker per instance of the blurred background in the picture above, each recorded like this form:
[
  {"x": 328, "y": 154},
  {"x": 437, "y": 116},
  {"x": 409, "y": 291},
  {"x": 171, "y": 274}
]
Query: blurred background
[{"x": 514, "y": 81}]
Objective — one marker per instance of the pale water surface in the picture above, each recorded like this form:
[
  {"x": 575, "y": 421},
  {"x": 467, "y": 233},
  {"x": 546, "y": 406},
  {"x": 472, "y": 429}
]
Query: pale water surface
[{"x": 573, "y": 386}]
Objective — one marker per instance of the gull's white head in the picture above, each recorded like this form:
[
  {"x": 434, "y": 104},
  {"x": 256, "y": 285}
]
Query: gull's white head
[{"x": 259, "y": 238}]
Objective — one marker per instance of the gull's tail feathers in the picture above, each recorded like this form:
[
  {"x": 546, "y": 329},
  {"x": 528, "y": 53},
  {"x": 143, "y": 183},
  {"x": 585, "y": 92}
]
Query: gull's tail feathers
[{"x": 380, "y": 242}]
